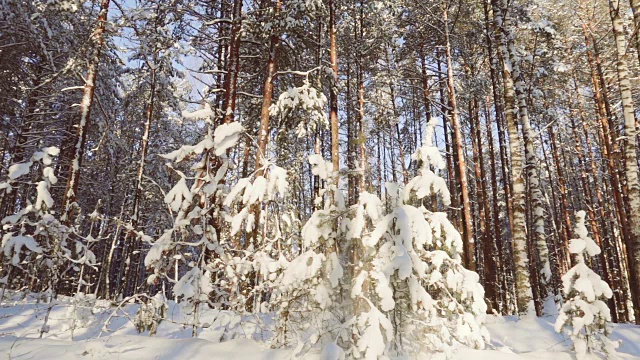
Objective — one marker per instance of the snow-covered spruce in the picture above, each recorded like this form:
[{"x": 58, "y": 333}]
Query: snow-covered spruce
[{"x": 584, "y": 314}]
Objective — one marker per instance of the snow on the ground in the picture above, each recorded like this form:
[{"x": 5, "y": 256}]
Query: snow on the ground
[{"x": 224, "y": 338}]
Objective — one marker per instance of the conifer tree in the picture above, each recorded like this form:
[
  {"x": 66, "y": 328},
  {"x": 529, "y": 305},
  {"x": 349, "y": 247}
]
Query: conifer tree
[{"x": 584, "y": 313}]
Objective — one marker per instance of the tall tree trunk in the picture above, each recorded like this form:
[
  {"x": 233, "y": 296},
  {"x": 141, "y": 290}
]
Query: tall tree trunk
[
  {"x": 630, "y": 156},
  {"x": 602, "y": 241},
  {"x": 134, "y": 253},
  {"x": 233, "y": 67},
  {"x": 537, "y": 199},
  {"x": 93, "y": 60},
  {"x": 351, "y": 138},
  {"x": 362, "y": 151},
  {"x": 493, "y": 64},
  {"x": 524, "y": 294},
  {"x": 263, "y": 138},
  {"x": 263, "y": 131},
  {"x": 566, "y": 228},
  {"x": 333, "y": 96},
  {"x": 467, "y": 239},
  {"x": 317, "y": 145},
  {"x": 267, "y": 96},
  {"x": 426, "y": 94},
  {"x": 488, "y": 250},
  {"x": 144, "y": 148},
  {"x": 396, "y": 116},
  {"x": 444, "y": 110},
  {"x": 606, "y": 133},
  {"x": 501, "y": 285}
]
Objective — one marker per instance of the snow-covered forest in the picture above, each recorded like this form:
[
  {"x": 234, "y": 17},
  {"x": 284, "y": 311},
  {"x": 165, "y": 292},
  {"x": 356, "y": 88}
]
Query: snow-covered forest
[{"x": 319, "y": 179}]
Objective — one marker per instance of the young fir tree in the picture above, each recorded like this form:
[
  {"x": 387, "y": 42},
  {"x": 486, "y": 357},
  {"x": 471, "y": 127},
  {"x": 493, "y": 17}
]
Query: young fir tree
[
  {"x": 35, "y": 241},
  {"x": 307, "y": 294},
  {"x": 409, "y": 291},
  {"x": 194, "y": 240},
  {"x": 32, "y": 237},
  {"x": 584, "y": 314},
  {"x": 416, "y": 277}
]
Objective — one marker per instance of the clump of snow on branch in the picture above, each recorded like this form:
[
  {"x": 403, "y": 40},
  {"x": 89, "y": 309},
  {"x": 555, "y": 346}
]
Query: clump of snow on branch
[
  {"x": 305, "y": 99},
  {"x": 206, "y": 113}
]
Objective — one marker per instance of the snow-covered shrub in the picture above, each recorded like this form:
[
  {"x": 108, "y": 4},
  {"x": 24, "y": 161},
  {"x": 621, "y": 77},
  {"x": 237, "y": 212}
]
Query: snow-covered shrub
[
  {"x": 584, "y": 314},
  {"x": 224, "y": 248},
  {"x": 80, "y": 313},
  {"x": 35, "y": 241},
  {"x": 150, "y": 314},
  {"x": 253, "y": 207}
]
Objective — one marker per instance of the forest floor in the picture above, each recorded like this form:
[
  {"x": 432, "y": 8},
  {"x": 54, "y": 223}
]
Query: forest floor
[{"x": 103, "y": 333}]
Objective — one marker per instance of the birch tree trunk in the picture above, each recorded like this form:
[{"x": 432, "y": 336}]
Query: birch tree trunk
[
  {"x": 524, "y": 294},
  {"x": 231, "y": 78},
  {"x": 632, "y": 242},
  {"x": 530, "y": 154}
]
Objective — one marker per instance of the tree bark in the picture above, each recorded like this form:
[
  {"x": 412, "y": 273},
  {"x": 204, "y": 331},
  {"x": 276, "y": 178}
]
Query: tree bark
[
  {"x": 501, "y": 285},
  {"x": 537, "y": 199},
  {"x": 490, "y": 268}
]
